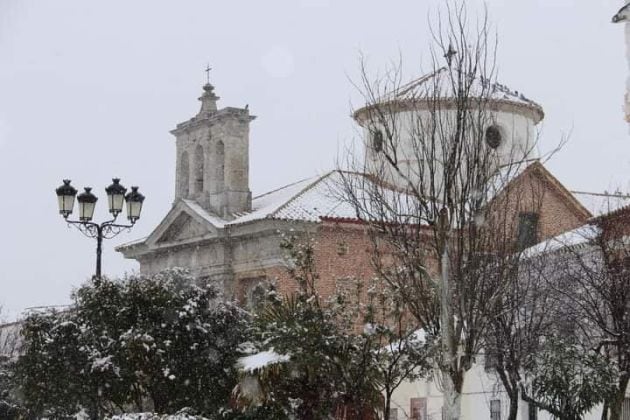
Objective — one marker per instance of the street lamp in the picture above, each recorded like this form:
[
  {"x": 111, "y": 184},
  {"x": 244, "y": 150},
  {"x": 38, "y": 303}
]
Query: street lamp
[{"x": 116, "y": 199}]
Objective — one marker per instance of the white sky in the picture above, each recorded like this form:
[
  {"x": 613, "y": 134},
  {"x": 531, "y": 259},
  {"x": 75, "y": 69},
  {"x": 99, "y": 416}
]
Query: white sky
[{"x": 90, "y": 90}]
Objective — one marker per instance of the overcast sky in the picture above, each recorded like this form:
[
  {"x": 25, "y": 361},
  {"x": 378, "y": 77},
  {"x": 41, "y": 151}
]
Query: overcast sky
[{"x": 90, "y": 90}]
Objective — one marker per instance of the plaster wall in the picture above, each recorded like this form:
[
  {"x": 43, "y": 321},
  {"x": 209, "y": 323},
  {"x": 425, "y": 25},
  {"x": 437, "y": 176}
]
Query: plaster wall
[{"x": 409, "y": 128}]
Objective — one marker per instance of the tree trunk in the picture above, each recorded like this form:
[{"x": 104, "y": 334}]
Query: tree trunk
[
  {"x": 452, "y": 391},
  {"x": 615, "y": 404},
  {"x": 511, "y": 388},
  {"x": 452, "y": 400},
  {"x": 513, "y": 413},
  {"x": 388, "y": 404}
]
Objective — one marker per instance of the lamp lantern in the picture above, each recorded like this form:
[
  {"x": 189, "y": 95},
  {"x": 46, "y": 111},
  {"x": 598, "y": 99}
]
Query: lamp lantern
[
  {"x": 115, "y": 196},
  {"x": 65, "y": 195},
  {"x": 87, "y": 203},
  {"x": 134, "y": 204}
]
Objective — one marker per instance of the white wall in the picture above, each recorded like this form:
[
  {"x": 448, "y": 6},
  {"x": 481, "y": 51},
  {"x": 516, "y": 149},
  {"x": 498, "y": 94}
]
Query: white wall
[
  {"x": 519, "y": 135},
  {"x": 479, "y": 388}
]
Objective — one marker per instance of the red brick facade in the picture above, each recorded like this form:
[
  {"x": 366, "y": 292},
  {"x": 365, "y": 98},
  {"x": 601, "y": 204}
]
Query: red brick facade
[{"x": 343, "y": 248}]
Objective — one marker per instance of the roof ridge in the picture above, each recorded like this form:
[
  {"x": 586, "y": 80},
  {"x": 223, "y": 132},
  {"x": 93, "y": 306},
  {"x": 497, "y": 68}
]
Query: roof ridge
[
  {"x": 416, "y": 82},
  {"x": 281, "y": 188},
  {"x": 296, "y": 196},
  {"x": 604, "y": 194},
  {"x": 563, "y": 190}
]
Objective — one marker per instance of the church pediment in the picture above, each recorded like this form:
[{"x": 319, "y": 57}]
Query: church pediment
[
  {"x": 182, "y": 228},
  {"x": 182, "y": 224}
]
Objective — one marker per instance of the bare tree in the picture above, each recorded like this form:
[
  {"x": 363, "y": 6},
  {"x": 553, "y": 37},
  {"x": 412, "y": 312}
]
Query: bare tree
[
  {"x": 594, "y": 281},
  {"x": 526, "y": 314},
  {"x": 427, "y": 184},
  {"x": 525, "y": 311}
]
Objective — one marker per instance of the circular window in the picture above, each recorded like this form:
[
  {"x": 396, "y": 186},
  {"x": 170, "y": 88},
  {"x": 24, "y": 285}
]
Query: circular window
[{"x": 493, "y": 136}]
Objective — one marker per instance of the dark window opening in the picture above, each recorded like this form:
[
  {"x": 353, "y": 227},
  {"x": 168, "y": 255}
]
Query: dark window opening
[
  {"x": 527, "y": 230},
  {"x": 220, "y": 165},
  {"x": 377, "y": 140},
  {"x": 184, "y": 174},
  {"x": 493, "y": 136},
  {"x": 495, "y": 409},
  {"x": 393, "y": 414},
  {"x": 199, "y": 168},
  {"x": 418, "y": 409},
  {"x": 255, "y": 293}
]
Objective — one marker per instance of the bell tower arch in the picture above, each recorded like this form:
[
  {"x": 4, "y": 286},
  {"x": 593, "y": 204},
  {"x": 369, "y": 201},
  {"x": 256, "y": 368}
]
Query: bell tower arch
[{"x": 213, "y": 157}]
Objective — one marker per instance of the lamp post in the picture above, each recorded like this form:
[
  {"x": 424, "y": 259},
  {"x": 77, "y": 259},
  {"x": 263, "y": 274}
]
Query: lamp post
[{"x": 117, "y": 196}]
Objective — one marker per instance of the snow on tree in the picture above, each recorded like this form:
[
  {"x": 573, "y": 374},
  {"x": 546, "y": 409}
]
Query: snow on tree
[
  {"x": 159, "y": 342},
  {"x": 566, "y": 379},
  {"x": 591, "y": 279},
  {"x": 309, "y": 359}
]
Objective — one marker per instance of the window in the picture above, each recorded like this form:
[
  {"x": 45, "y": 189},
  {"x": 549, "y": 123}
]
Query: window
[
  {"x": 184, "y": 174},
  {"x": 493, "y": 137},
  {"x": 527, "y": 230},
  {"x": 532, "y": 412},
  {"x": 418, "y": 409},
  {"x": 255, "y": 293},
  {"x": 393, "y": 414},
  {"x": 495, "y": 409},
  {"x": 490, "y": 360},
  {"x": 342, "y": 248},
  {"x": 199, "y": 171},
  {"x": 377, "y": 140},
  {"x": 220, "y": 165},
  {"x": 625, "y": 409}
]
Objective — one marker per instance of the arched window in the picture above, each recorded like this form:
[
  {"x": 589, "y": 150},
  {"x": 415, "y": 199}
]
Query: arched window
[
  {"x": 256, "y": 290},
  {"x": 220, "y": 166},
  {"x": 198, "y": 174},
  {"x": 184, "y": 174}
]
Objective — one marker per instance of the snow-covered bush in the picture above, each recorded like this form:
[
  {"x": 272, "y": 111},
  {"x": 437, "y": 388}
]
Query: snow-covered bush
[
  {"x": 9, "y": 409},
  {"x": 308, "y": 358},
  {"x": 566, "y": 379},
  {"x": 156, "y": 342}
]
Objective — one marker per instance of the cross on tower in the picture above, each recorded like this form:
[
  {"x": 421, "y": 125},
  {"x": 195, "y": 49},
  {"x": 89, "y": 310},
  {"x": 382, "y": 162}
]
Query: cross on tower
[
  {"x": 450, "y": 54},
  {"x": 207, "y": 70}
]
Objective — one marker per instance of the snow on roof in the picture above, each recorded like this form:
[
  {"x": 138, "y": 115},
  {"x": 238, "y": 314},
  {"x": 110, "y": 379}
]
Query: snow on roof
[
  {"x": 439, "y": 81},
  {"x": 306, "y": 200},
  {"x": 318, "y": 198},
  {"x": 260, "y": 360},
  {"x": 210, "y": 218},
  {"x": 317, "y": 201},
  {"x": 266, "y": 205},
  {"x": 579, "y": 236},
  {"x": 600, "y": 204}
]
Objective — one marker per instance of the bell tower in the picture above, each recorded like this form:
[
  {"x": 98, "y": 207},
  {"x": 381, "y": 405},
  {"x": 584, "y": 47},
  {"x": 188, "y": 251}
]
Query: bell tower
[{"x": 213, "y": 157}]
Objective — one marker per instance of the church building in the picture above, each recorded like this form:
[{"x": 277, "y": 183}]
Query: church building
[{"x": 226, "y": 235}]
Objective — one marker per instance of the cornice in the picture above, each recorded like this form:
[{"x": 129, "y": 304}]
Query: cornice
[
  {"x": 533, "y": 110},
  {"x": 240, "y": 114}
]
